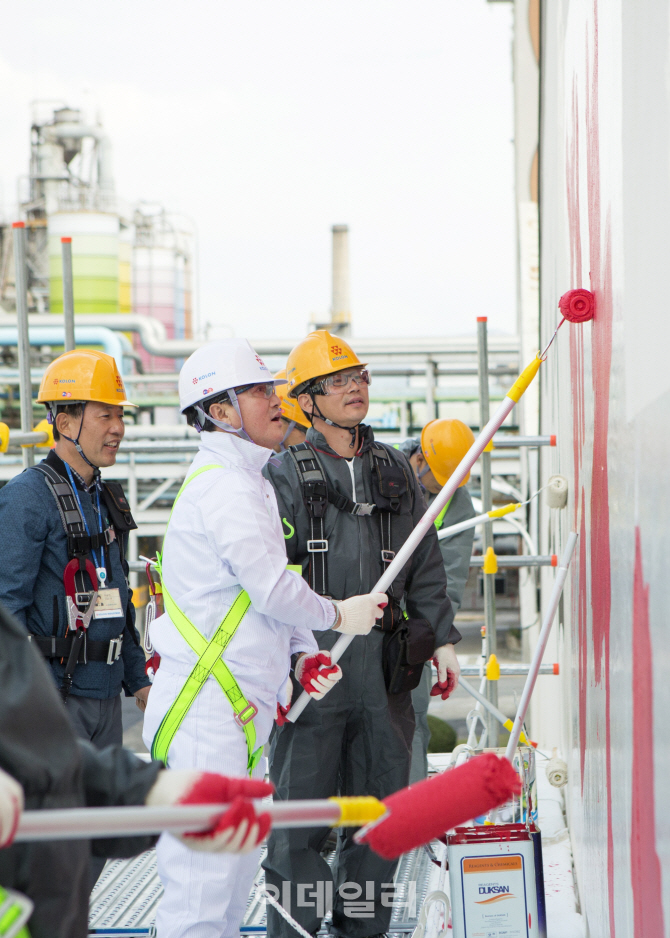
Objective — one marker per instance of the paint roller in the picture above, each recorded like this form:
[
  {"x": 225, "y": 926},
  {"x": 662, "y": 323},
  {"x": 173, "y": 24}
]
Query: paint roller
[
  {"x": 407, "y": 819},
  {"x": 576, "y": 306}
]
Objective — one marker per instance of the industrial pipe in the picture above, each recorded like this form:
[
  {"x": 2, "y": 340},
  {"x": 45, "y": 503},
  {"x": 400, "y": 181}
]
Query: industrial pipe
[
  {"x": 68, "y": 293},
  {"x": 535, "y": 664},
  {"x": 428, "y": 519},
  {"x": 22, "y": 334},
  {"x": 153, "y": 337},
  {"x": 54, "y": 335}
]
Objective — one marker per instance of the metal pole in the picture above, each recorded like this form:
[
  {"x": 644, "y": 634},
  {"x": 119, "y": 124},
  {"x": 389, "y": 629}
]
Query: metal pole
[
  {"x": 68, "y": 294},
  {"x": 489, "y": 578},
  {"x": 430, "y": 391},
  {"x": 25, "y": 385},
  {"x": 538, "y": 654},
  {"x": 133, "y": 554}
]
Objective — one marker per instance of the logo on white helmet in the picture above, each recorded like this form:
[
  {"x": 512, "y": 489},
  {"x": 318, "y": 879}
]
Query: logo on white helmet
[
  {"x": 210, "y": 374},
  {"x": 207, "y": 391},
  {"x": 261, "y": 362}
]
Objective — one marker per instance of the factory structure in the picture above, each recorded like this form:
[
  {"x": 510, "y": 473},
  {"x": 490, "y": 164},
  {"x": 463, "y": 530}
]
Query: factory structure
[{"x": 124, "y": 258}]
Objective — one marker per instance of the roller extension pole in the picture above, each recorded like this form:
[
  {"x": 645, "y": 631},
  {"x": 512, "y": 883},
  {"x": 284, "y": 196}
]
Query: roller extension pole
[
  {"x": 489, "y": 579},
  {"x": 68, "y": 293},
  {"x": 424, "y": 524},
  {"x": 25, "y": 385},
  {"x": 135, "y": 821},
  {"x": 485, "y": 702},
  {"x": 541, "y": 645},
  {"x": 478, "y": 519}
]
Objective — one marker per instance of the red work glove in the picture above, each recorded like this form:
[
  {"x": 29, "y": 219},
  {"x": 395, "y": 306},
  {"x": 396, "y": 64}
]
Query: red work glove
[
  {"x": 282, "y": 714},
  {"x": 238, "y": 830},
  {"x": 317, "y": 674},
  {"x": 448, "y": 672},
  {"x": 151, "y": 666}
]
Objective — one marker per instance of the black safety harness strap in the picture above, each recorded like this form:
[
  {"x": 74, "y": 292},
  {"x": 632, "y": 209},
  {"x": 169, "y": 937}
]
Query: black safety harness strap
[
  {"x": 317, "y": 495},
  {"x": 79, "y": 543}
]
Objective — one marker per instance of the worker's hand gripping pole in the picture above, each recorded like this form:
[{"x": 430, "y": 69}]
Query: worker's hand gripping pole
[
  {"x": 534, "y": 669},
  {"x": 424, "y": 525}
]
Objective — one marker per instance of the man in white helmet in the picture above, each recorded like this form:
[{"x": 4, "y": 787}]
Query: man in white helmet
[{"x": 234, "y": 617}]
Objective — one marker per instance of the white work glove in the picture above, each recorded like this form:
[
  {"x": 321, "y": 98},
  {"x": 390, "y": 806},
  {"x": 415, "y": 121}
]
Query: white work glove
[
  {"x": 237, "y": 830},
  {"x": 357, "y": 615},
  {"x": 448, "y": 672},
  {"x": 11, "y": 806},
  {"x": 317, "y": 674}
]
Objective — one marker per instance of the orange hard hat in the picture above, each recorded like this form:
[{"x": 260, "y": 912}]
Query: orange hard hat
[
  {"x": 444, "y": 443},
  {"x": 320, "y": 354},
  {"x": 83, "y": 375},
  {"x": 290, "y": 409}
]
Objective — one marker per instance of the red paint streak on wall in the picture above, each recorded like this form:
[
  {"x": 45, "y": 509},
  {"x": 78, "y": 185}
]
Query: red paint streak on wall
[
  {"x": 583, "y": 674},
  {"x": 645, "y": 866},
  {"x": 600, "y": 258}
]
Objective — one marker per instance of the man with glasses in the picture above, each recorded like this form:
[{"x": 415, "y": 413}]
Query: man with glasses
[
  {"x": 348, "y": 504},
  {"x": 234, "y": 616}
]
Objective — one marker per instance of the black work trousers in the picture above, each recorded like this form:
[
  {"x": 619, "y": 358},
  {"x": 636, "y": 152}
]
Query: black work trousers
[{"x": 356, "y": 741}]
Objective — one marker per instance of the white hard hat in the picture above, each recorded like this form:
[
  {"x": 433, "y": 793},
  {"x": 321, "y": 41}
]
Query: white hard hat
[{"x": 218, "y": 367}]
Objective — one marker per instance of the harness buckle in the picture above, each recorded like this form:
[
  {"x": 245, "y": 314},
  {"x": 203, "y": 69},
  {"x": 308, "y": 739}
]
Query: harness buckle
[
  {"x": 241, "y": 719},
  {"x": 317, "y": 546},
  {"x": 115, "y": 646},
  {"x": 387, "y": 556},
  {"x": 363, "y": 509}
]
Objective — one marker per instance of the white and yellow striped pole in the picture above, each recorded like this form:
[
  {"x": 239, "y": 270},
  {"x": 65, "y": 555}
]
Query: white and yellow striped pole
[{"x": 485, "y": 436}]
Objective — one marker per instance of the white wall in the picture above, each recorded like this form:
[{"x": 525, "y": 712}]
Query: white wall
[{"x": 605, "y": 390}]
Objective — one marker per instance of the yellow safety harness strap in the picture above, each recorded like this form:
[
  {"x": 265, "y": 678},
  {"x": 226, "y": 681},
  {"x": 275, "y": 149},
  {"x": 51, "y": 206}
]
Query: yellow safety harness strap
[
  {"x": 440, "y": 517},
  {"x": 209, "y": 662},
  {"x": 15, "y": 910}
]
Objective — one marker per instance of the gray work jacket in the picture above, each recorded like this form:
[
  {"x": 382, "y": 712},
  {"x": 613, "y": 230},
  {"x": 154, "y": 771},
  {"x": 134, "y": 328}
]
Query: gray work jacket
[{"x": 354, "y": 541}]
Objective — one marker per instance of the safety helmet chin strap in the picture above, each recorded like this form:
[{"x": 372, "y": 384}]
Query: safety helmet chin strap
[
  {"x": 289, "y": 429},
  {"x": 316, "y": 412},
  {"x": 51, "y": 417},
  {"x": 241, "y": 432}
]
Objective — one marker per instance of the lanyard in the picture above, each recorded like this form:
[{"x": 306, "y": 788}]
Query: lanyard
[{"x": 100, "y": 568}]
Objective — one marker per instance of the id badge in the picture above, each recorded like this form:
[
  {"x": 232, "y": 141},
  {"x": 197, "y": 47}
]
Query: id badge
[{"x": 108, "y": 604}]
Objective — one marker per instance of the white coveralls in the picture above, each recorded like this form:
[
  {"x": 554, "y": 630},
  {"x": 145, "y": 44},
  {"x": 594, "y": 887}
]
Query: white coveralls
[{"x": 225, "y": 535}]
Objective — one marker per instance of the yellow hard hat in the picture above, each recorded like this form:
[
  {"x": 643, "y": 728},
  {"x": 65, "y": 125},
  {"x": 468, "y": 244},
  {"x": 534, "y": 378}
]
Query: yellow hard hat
[
  {"x": 444, "y": 443},
  {"x": 290, "y": 409},
  {"x": 319, "y": 354},
  {"x": 83, "y": 375}
]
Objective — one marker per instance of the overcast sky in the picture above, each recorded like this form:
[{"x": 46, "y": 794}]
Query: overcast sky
[{"x": 266, "y": 121}]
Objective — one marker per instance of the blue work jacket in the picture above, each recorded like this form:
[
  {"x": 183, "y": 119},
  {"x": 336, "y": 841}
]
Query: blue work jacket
[{"x": 33, "y": 557}]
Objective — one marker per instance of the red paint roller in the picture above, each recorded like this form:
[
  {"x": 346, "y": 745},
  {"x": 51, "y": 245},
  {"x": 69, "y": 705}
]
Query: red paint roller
[{"x": 419, "y": 814}]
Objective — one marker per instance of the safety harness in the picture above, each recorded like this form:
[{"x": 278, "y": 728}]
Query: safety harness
[
  {"x": 75, "y": 648},
  {"x": 389, "y": 482},
  {"x": 209, "y": 663}
]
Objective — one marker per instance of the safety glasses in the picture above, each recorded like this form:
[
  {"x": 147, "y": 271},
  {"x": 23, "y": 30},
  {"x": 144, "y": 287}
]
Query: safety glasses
[
  {"x": 341, "y": 380},
  {"x": 257, "y": 390}
]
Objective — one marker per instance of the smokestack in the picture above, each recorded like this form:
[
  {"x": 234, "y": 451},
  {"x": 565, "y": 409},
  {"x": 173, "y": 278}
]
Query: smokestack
[{"x": 340, "y": 312}]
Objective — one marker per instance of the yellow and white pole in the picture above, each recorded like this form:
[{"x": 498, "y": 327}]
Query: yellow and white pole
[
  {"x": 485, "y": 518},
  {"x": 139, "y": 820},
  {"x": 485, "y": 436}
]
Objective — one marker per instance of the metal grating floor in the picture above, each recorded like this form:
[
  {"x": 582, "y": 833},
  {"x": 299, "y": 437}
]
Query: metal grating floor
[{"x": 126, "y": 896}]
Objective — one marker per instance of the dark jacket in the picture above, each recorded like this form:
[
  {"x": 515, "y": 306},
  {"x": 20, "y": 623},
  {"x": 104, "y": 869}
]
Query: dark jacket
[
  {"x": 354, "y": 541},
  {"x": 38, "y": 748},
  {"x": 33, "y": 548},
  {"x": 456, "y": 551}
]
